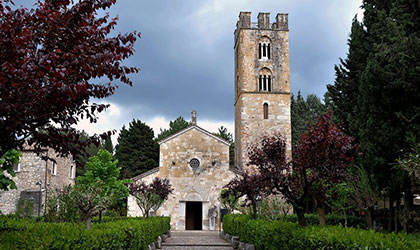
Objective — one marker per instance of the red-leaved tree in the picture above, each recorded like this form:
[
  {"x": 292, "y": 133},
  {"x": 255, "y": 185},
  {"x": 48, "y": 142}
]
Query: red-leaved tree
[
  {"x": 323, "y": 154},
  {"x": 49, "y": 56},
  {"x": 251, "y": 185},
  {"x": 269, "y": 157},
  {"x": 150, "y": 196}
]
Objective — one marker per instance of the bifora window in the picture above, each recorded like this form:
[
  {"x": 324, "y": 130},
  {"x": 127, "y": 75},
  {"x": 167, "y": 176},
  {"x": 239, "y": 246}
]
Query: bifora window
[
  {"x": 264, "y": 50},
  {"x": 264, "y": 83}
]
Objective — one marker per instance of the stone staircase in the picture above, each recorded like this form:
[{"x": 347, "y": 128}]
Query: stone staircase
[{"x": 195, "y": 240}]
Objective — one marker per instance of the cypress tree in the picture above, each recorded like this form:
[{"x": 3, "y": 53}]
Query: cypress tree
[{"x": 137, "y": 151}]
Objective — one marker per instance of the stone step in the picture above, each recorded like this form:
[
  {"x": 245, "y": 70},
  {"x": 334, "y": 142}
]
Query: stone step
[{"x": 197, "y": 244}]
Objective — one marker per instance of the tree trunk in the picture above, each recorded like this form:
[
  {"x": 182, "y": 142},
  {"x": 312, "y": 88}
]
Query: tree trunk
[
  {"x": 88, "y": 222},
  {"x": 100, "y": 217},
  {"x": 254, "y": 209},
  {"x": 408, "y": 207},
  {"x": 398, "y": 210},
  {"x": 300, "y": 212},
  {"x": 368, "y": 217},
  {"x": 391, "y": 211},
  {"x": 321, "y": 212}
]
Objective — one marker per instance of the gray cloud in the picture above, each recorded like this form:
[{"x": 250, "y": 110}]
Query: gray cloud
[{"x": 186, "y": 51}]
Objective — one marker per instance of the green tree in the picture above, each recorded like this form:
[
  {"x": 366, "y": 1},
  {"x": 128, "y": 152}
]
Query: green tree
[
  {"x": 7, "y": 161},
  {"x": 303, "y": 113},
  {"x": 137, "y": 150},
  {"x": 107, "y": 145},
  {"x": 101, "y": 179},
  {"x": 227, "y": 136},
  {"x": 174, "y": 126},
  {"x": 376, "y": 90},
  {"x": 90, "y": 150}
]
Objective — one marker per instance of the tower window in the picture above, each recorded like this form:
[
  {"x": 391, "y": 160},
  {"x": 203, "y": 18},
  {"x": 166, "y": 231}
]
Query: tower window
[
  {"x": 16, "y": 167},
  {"x": 265, "y": 109},
  {"x": 264, "y": 50},
  {"x": 264, "y": 83},
  {"x": 54, "y": 170},
  {"x": 72, "y": 172}
]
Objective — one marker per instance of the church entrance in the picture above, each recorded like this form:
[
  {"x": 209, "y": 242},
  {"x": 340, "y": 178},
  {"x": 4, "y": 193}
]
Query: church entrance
[{"x": 194, "y": 215}]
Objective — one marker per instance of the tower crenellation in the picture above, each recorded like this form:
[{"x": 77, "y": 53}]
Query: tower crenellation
[{"x": 262, "y": 85}]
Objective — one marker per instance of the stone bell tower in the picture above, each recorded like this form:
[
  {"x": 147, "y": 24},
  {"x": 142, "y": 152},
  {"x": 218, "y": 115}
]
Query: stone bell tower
[{"x": 262, "y": 82}]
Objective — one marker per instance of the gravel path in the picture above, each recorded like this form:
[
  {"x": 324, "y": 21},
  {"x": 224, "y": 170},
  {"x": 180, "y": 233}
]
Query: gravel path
[{"x": 195, "y": 240}]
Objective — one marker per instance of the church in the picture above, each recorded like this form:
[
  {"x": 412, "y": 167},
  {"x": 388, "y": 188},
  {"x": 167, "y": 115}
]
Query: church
[{"x": 194, "y": 160}]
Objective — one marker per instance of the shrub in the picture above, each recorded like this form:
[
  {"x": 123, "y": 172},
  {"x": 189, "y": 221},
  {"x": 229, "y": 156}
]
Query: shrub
[
  {"x": 331, "y": 219},
  {"x": 287, "y": 235},
  {"x": 25, "y": 208},
  {"x": 127, "y": 233}
]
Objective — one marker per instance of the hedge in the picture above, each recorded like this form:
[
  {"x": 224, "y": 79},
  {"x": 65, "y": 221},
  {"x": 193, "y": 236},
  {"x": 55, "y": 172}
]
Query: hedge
[
  {"x": 130, "y": 233},
  {"x": 331, "y": 219},
  {"x": 288, "y": 235}
]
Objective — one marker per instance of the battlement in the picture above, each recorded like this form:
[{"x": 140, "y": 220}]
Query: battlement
[{"x": 281, "y": 22}]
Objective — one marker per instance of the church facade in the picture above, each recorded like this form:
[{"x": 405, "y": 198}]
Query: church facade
[{"x": 195, "y": 161}]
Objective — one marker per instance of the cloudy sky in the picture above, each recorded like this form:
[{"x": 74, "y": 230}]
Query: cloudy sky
[{"x": 186, "y": 56}]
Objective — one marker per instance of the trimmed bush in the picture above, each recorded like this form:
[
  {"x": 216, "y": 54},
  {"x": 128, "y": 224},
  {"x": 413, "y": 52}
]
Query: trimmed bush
[
  {"x": 331, "y": 219},
  {"x": 287, "y": 235},
  {"x": 127, "y": 233}
]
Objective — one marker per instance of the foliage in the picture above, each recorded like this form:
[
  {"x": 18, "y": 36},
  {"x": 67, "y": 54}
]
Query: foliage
[
  {"x": 101, "y": 184},
  {"x": 286, "y": 235},
  {"x": 338, "y": 198},
  {"x": 174, "y": 127},
  {"x": 303, "y": 112},
  {"x": 90, "y": 150},
  {"x": 331, "y": 219},
  {"x": 410, "y": 163},
  {"x": 274, "y": 208},
  {"x": 152, "y": 196},
  {"x": 376, "y": 91},
  {"x": 61, "y": 206},
  {"x": 322, "y": 157},
  {"x": 228, "y": 201},
  {"x": 364, "y": 193},
  {"x": 90, "y": 199},
  {"x": 137, "y": 151},
  {"x": 107, "y": 145},
  {"x": 127, "y": 233},
  {"x": 25, "y": 208},
  {"x": 227, "y": 136},
  {"x": 49, "y": 56},
  {"x": 7, "y": 161}
]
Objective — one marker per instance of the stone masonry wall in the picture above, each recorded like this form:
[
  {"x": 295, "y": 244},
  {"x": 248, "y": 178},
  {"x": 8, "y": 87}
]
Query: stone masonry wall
[
  {"x": 32, "y": 170},
  {"x": 203, "y": 184},
  {"x": 250, "y": 124}
]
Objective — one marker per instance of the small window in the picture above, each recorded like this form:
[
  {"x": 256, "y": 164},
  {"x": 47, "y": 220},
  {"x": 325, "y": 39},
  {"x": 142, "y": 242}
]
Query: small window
[
  {"x": 264, "y": 50},
  {"x": 16, "y": 167},
  {"x": 72, "y": 172},
  {"x": 265, "y": 107},
  {"x": 54, "y": 169}
]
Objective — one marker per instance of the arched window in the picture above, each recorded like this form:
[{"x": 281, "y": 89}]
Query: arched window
[
  {"x": 264, "y": 49},
  {"x": 264, "y": 80},
  {"x": 265, "y": 109}
]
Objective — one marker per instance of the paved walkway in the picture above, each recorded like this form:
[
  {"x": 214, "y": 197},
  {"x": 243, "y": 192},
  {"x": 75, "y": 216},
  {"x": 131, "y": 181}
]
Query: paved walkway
[{"x": 195, "y": 240}]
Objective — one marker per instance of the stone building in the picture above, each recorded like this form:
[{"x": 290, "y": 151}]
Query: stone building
[
  {"x": 35, "y": 177},
  {"x": 197, "y": 162},
  {"x": 262, "y": 85}
]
